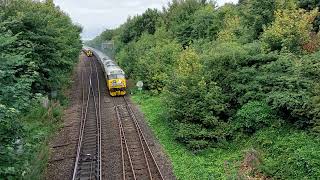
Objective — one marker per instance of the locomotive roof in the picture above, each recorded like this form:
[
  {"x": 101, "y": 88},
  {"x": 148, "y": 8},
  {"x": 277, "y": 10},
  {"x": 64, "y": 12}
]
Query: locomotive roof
[
  {"x": 114, "y": 70},
  {"x": 109, "y": 65}
]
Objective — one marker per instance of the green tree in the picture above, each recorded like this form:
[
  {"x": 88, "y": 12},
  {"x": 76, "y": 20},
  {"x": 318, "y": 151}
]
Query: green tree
[
  {"x": 205, "y": 23},
  {"x": 39, "y": 46},
  {"x": 289, "y": 31},
  {"x": 310, "y": 5},
  {"x": 136, "y": 26},
  {"x": 178, "y": 18},
  {"x": 258, "y": 14},
  {"x": 195, "y": 104}
]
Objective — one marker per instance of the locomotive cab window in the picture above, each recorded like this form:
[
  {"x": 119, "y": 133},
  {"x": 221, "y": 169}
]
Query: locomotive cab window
[{"x": 116, "y": 76}]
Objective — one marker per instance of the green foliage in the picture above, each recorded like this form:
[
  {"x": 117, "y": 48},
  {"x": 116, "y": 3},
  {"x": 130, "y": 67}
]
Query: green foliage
[
  {"x": 194, "y": 104},
  {"x": 149, "y": 59},
  {"x": 207, "y": 164},
  {"x": 39, "y": 46},
  {"x": 258, "y": 14},
  {"x": 47, "y": 37},
  {"x": 205, "y": 23},
  {"x": 252, "y": 117},
  {"x": 23, "y": 140},
  {"x": 10, "y": 127},
  {"x": 310, "y": 5},
  {"x": 137, "y": 25},
  {"x": 285, "y": 153},
  {"x": 289, "y": 154},
  {"x": 106, "y": 35},
  {"x": 189, "y": 20},
  {"x": 289, "y": 31},
  {"x": 233, "y": 31}
]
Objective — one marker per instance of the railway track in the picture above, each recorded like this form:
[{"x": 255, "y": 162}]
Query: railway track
[
  {"x": 88, "y": 158},
  {"x": 137, "y": 159}
]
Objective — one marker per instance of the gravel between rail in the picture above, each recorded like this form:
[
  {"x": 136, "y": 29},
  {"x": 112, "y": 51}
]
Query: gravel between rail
[{"x": 63, "y": 146}]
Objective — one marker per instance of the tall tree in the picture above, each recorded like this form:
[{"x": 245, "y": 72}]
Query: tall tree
[{"x": 258, "y": 14}]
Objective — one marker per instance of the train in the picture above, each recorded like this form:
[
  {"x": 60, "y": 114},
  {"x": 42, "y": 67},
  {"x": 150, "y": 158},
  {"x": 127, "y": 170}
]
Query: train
[
  {"x": 114, "y": 75},
  {"x": 87, "y": 52}
]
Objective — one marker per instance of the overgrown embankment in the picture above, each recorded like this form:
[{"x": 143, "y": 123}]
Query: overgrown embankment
[
  {"x": 244, "y": 72},
  {"x": 274, "y": 151},
  {"x": 38, "y": 47}
]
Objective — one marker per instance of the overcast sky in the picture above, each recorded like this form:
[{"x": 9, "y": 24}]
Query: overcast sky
[{"x": 97, "y": 15}]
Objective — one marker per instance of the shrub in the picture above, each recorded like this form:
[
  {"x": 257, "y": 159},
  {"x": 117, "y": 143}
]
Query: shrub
[
  {"x": 252, "y": 117},
  {"x": 194, "y": 103},
  {"x": 289, "y": 154}
]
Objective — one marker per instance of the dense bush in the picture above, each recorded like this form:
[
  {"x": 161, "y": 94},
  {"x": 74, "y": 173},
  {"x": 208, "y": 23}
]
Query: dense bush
[
  {"x": 39, "y": 46},
  {"x": 252, "y": 117},
  {"x": 289, "y": 154},
  {"x": 195, "y": 104}
]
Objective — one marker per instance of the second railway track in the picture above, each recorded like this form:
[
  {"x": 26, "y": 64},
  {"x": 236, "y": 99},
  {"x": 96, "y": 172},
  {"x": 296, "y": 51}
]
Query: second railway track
[{"x": 137, "y": 159}]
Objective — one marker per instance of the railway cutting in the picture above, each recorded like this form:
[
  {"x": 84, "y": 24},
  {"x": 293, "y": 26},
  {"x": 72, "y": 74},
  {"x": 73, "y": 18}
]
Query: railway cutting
[{"x": 113, "y": 141}]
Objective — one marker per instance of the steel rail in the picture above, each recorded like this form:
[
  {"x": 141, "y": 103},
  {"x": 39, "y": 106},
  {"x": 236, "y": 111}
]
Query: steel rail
[
  {"x": 99, "y": 122},
  {"x": 82, "y": 124},
  {"x": 121, "y": 144},
  {"x": 124, "y": 141},
  {"x": 143, "y": 137},
  {"x": 140, "y": 140},
  {"x": 121, "y": 138},
  {"x": 144, "y": 145}
]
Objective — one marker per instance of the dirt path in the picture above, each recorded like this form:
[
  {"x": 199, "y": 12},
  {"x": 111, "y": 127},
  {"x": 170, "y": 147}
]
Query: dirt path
[{"x": 63, "y": 146}]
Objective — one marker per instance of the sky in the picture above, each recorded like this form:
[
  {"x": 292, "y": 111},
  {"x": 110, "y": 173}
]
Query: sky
[{"x": 97, "y": 15}]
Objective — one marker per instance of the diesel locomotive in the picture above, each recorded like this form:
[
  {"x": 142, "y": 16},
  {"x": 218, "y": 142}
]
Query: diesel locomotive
[
  {"x": 87, "y": 52},
  {"x": 114, "y": 75}
]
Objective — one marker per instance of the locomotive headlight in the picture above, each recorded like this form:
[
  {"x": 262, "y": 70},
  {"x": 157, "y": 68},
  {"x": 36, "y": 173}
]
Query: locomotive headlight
[{"x": 114, "y": 83}]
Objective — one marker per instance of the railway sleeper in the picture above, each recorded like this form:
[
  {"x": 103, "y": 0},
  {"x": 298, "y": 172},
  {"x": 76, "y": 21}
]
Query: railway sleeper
[
  {"x": 136, "y": 154},
  {"x": 91, "y": 135},
  {"x": 88, "y": 152},
  {"x": 90, "y": 144},
  {"x": 86, "y": 163},
  {"x": 88, "y": 167},
  {"x": 87, "y": 178},
  {"x": 90, "y": 138},
  {"x": 134, "y": 146},
  {"x": 88, "y": 174},
  {"x": 92, "y": 127}
]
